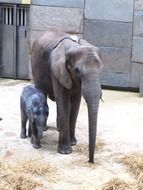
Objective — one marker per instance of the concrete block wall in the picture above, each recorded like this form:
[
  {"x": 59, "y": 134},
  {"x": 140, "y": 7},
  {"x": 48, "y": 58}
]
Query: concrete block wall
[
  {"x": 112, "y": 23},
  {"x": 137, "y": 46},
  {"x": 116, "y": 26},
  {"x": 67, "y": 15},
  {"x": 0, "y": 41}
]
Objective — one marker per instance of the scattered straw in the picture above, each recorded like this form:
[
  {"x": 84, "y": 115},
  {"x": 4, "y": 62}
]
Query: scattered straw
[
  {"x": 100, "y": 144},
  {"x": 134, "y": 163},
  {"x": 33, "y": 167},
  {"x": 140, "y": 182},
  {"x": 83, "y": 162},
  {"x": 83, "y": 148},
  {"x": 20, "y": 176},
  {"x": 116, "y": 184},
  {"x": 16, "y": 181}
]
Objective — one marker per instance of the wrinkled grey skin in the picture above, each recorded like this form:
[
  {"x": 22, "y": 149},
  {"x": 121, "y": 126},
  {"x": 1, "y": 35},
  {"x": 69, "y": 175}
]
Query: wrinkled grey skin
[
  {"x": 64, "y": 70},
  {"x": 33, "y": 106}
]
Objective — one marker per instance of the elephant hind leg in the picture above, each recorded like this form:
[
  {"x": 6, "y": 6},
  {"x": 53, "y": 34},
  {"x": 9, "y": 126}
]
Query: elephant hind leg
[
  {"x": 23, "y": 130},
  {"x": 23, "y": 125}
]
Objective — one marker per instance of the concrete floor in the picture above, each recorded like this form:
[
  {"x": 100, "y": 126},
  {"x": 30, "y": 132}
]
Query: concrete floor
[{"x": 120, "y": 127}]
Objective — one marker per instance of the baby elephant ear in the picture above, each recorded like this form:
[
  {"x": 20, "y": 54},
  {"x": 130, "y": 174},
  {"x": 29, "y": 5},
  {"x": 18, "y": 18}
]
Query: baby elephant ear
[{"x": 58, "y": 67}]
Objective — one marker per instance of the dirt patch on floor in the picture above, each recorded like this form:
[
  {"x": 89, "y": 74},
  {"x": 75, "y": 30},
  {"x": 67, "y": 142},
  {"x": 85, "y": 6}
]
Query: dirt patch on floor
[{"x": 120, "y": 134}]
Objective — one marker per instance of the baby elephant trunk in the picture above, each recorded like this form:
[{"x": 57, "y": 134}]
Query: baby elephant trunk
[
  {"x": 40, "y": 132},
  {"x": 41, "y": 125}
]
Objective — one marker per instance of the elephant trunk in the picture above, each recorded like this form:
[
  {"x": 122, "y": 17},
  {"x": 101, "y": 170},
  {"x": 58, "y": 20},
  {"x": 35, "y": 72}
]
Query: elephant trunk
[
  {"x": 91, "y": 90},
  {"x": 40, "y": 132}
]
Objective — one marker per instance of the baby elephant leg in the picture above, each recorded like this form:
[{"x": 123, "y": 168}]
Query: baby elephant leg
[
  {"x": 34, "y": 140},
  {"x": 29, "y": 130}
]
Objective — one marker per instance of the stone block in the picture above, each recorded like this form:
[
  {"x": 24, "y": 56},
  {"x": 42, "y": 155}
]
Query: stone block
[
  {"x": 116, "y": 60},
  {"x": 136, "y": 74},
  {"x": 107, "y": 33},
  {"x": 115, "y": 79},
  {"x": 69, "y": 19},
  {"x": 11, "y": 1},
  {"x": 32, "y": 36},
  {"x": 0, "y": 44},
  {"x": 61, "y": 3},
  {"x": 139, "y": 4},
  {"x": 109, "y": 10},
  {"x": 137, "y": 49},
  {"x": 116, "y": 68},
  {"x": 138, "y": 24}
]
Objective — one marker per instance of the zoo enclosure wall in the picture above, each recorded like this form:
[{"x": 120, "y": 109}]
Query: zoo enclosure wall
[{"x": 116, "y": 29}]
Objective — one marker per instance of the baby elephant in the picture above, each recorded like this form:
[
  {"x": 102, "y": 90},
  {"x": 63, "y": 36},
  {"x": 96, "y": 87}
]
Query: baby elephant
[{"x": 33, "y": 106}]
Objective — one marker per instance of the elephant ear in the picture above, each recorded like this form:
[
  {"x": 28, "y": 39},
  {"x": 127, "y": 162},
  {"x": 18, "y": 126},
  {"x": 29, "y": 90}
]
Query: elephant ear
[{"x": 58, "y": 66}]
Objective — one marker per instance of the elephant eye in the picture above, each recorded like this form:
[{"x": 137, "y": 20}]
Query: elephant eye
[
  {"x": 77, "y": 71},
  {"x": 38, "y": 113}
]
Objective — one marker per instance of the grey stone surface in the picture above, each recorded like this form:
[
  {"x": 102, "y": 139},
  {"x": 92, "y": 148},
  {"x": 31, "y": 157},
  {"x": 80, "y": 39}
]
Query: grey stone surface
[
  {"x": 115, "y": 79},
  {"x": 0, "y": 43},
  {"x": 116, "y": 59},
  {"x": 69, "y": 19},
  {"x": 138, "y": 23},
  {"x": 107, "y": 33},
  {"x": 136, "y": 74},
  {"x": 32, "y": 36},
  {"x": 60, "y": 3},
  {"x": 139, "y": 4},
  {"x": 10, "y": 1},
  {"x": 137, "y": 49},
  {"x": 109, "y": 10}
]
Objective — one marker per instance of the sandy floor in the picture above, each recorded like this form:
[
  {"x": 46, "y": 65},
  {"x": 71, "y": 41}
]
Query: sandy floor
[{"x": 120, "y": 131}]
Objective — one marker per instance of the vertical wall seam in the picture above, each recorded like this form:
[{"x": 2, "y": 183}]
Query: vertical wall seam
[
  {"x": 130, "y": 68},
  {"x": 84, "y": 18}
]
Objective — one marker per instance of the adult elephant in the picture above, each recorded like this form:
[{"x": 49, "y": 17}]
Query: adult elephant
[{"x": 64, "y": 69}]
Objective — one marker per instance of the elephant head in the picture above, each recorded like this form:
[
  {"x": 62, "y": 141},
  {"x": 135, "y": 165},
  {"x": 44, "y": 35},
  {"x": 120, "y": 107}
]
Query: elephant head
[{"x": 81, "y": 65}]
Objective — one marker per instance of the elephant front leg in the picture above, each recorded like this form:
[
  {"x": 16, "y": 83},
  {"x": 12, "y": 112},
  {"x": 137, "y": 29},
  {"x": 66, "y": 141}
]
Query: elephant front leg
[
  {"x": 63, "y": 101},
  {"x": 63, "y": 116},
  {"x": 75, "y": 103}
]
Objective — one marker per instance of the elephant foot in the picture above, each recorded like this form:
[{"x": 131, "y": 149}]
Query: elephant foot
[
  {"x": 23, "y": 136},
  {"x": 64, "y": 149},
  {"x": 91, "y": 161},
  {"x": 36, "y": 146},
  {"x": 58, "y": 129},
  {"x": 34, "y": 143},
  {"x": 32, "y": 140},
  {"x": 45, "y": 128},
  {"x": 73, "y": 141}
]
